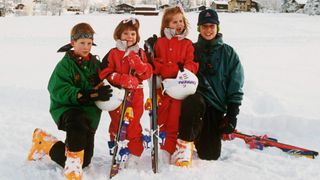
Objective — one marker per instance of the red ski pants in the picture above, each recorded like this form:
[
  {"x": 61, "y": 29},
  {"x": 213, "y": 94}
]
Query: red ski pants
[{"x": 168, "y": 118}]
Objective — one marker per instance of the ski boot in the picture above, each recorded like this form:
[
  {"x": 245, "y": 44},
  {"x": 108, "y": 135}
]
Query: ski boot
[
  {"x": 42, "y": 142},
  {"x": 73, "y": 166},
  {"x": 183, "y": 155}
]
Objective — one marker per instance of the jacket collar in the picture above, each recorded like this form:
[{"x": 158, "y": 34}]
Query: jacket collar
[
  {"x": 122, "y": 46},
  {"x": 78, "y": 59},
  {"x": 170, "y": 33},
  {"x": 206, "y": 44}
]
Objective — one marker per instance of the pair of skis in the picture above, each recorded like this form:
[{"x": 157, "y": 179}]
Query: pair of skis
[
  {"x": 154, "y": 133},
  {"x": 260, "y": 142}
]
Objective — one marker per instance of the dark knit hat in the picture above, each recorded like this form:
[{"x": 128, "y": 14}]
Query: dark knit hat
[{"x": 208, "y": 16}]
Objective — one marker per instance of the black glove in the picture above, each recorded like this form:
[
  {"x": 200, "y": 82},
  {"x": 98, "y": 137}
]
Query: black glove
[
  {"x": 180, "y": 65},
  {"x": 228, "y": 125},
  {"x": 103, "y": 93},
  {"x": 151, "y": 41},
  {"x": 229, "y": 121}
]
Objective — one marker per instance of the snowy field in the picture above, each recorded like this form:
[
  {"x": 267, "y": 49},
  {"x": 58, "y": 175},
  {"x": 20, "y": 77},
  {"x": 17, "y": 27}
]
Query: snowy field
[{"x": 280, "y": 54}]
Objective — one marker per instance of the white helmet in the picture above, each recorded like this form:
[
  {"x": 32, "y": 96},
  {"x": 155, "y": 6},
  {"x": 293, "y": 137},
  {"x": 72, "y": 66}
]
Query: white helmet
[
  {"x": 114, "y": 101},
  {"x": 182, "y": 86}
]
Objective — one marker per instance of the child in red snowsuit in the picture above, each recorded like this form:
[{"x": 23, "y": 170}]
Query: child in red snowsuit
[
  {"x": 126, "y": 66},
  {"x": 171, "y": 49}
]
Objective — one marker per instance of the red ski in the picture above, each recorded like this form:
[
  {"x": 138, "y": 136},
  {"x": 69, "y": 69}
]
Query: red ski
[{"x": 259, "y": 142}]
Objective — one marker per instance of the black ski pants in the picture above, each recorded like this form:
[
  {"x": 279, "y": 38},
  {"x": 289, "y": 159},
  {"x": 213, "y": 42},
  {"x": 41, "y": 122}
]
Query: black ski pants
[
  {"x": 199, "y": 123},
  {"x": 79, "y": 136}
]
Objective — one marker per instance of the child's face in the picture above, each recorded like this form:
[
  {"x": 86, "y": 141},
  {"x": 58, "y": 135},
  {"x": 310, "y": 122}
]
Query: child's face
[
  {"x": 208, "y": 31},
  {"x": 82, "y": 47},
  {"x": 177, "y": 23},
  {"x": 130, "y": 36}
]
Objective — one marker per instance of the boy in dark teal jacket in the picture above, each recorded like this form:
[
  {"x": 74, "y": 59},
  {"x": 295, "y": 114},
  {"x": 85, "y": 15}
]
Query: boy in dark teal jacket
[
  {"x": 213, "y": 110},
  {"x": 73, "y": 90}
]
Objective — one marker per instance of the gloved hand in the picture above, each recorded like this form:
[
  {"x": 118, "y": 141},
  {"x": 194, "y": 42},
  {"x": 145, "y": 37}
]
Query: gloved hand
[
  {"x": 229, "y": 122},
  {"x": 103, "y": 93},
  {"x": 180, "y": 65},
  {"x": 123, "y": 80},
  {"x": 151, "y": 41},
  {"x": 228, "y": 125},
  {"x": 169, "y": 70},
  {"x": 136, "y": 63}
]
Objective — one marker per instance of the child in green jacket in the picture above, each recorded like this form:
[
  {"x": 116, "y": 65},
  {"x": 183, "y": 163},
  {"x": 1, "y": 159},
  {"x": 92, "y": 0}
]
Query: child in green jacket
[{"x": 73, "y": 88}]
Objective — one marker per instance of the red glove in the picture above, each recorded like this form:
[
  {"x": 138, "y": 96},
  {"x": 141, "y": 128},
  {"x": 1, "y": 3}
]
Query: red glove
[
  {"x": 136, "y": 63},
  {"x": 123, "y": 80},
  {"x": 169, "y": 70}
]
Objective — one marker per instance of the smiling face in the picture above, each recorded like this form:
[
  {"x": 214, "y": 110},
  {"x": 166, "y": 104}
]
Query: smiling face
[
  {"x": 82, "y": 47},
  {"x": 208, "y": 31},
  {"x": 177, "y": 23},
  {"x": 130, "y": 36}
]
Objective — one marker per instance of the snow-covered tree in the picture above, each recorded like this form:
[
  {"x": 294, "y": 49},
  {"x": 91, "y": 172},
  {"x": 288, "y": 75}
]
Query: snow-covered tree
[
  {"x": 84, "y": 4},
  {"x": 312, "y": 7},
  {"x": 55, "y": 7},
  {"x": 273, "y": 5},
  {"x": 290, "y": 6},
  {"x": 186, "y": 4}
]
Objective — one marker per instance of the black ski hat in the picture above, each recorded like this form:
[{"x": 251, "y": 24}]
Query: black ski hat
[{"x": 208, "y": 16}]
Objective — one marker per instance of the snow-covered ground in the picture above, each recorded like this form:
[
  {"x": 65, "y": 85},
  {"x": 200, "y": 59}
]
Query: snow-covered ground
[{"x": 280, "y": 54}]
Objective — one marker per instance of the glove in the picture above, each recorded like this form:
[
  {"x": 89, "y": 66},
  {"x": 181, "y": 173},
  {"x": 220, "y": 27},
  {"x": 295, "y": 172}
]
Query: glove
[
  {"x": 228, "y": 125},
  {"x": 136, "y": 63},
  {"x": 151, "y": 41},
  {"x": 103, "y": 93},
  {"x": 229, "y": 121},
  {"x": 124, "y": 80},
  {"x": 169, "y": 70},
  {"x": 180, "y": 65}
]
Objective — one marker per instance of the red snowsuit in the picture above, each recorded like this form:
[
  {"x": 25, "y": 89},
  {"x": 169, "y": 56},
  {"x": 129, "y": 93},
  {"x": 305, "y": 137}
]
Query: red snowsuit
[
  {"x": 116, "y": 62},
  {"x": 168, "y": 53}
]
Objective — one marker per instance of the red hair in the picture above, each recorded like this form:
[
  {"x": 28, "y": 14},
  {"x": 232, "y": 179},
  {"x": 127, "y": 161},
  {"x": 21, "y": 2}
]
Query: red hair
[{"x": 167, "y": 17}]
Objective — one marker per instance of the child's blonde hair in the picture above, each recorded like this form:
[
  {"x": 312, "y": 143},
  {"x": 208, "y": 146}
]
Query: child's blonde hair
[
  {"x": 131, "y": 24},
  {"x": 81, "y": 30},
  {"x": 167, "y": 17}
]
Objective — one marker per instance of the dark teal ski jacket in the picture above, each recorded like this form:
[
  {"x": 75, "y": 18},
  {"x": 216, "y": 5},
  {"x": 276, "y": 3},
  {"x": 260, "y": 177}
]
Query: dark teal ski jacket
[{"x": 220, "y": 73}]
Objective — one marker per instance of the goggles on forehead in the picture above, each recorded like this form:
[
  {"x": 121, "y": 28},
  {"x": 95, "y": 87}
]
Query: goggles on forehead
[
  {"x": 132, "y": 19},
  {"x": 81, "y": 36}
]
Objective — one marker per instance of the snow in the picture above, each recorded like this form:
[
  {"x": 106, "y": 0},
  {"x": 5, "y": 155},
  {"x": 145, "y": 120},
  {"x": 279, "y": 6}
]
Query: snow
[
  {"x": 301, "y": 1},
  {"x": 280, "y": 55}
]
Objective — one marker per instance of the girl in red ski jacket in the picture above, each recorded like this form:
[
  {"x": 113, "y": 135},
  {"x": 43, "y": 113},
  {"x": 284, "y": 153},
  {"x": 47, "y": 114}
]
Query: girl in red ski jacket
[
  {"x": 171, "y": 49},
  {"x": 126, "y": 66}
]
